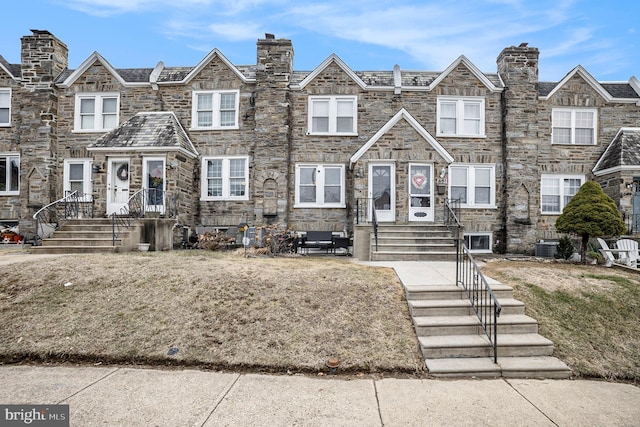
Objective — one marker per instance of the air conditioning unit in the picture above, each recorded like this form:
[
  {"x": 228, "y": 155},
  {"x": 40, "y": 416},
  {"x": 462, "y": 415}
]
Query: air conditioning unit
[{"x": 546, "y": 249}]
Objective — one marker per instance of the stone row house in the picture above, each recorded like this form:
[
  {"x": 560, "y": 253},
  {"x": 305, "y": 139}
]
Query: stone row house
[{"x": 264, "y": 143}]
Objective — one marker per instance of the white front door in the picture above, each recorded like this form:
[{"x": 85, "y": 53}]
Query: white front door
[
  {"x": 153, "y": 171},
  {"x": 382, "y": 191},
  {"x": 420, "y": 192},
  {"x": 117, "y": 186}
]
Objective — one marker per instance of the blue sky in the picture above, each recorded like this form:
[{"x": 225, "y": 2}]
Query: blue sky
[{"x": 603, "y": 37}]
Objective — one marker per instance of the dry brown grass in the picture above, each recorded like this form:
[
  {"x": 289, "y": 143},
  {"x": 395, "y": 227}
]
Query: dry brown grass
[
  {"x": 591, "y": 313},
  {"x": 219, "y": 310}
]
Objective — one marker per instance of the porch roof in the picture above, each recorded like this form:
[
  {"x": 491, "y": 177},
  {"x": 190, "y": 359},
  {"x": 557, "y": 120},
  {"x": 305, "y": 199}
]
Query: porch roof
[
  {"x": 149, "y": 132},
  {"x": 622, "y": 153}
]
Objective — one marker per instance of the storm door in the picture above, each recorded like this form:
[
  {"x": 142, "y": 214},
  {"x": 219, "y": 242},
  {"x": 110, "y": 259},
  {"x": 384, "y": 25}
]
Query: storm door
[
  {"x": 382, "y": 191},
  {"x": 421, "y": 192}
]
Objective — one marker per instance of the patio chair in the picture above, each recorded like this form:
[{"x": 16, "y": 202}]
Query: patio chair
[
  {"x": 631, "y": 254},
  {"x": 607, "y": 253}
]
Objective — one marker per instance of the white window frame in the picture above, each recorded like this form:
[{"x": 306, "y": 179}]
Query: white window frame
[
  {"x": 216, "y": 110},
  {"x": 460, "y": 118},
  {"x": 6, "y": 158},
  {"x": 225, "y": 176},
  {"x": 471, "y": 184},
  {"x": 561, "y": 191},
  {"x": 7, "y": 107},
  {"x": 470, "y": 236},
  {"x": 574, "y": 125},
  {"x": 87, "y": 182},
  {"x": 333, "y": 101},
  {"x": 98, "y": 114},
  {"x": 320, "y": 185}
]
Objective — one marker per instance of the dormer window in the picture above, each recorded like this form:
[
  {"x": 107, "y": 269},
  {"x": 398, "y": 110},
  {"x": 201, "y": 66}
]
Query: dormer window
[
  {"x": 215, "y": 109},
  {"x": 97, "y": 112},
  {"x": 575, "y": 126},
  {"x": 461, "y": 116},
  {"x": 5, "y": 107},
  {"x": 333, "y": 115}
]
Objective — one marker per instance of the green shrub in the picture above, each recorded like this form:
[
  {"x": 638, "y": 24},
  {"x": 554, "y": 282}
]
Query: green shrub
[{"x": 565, "y": 248}]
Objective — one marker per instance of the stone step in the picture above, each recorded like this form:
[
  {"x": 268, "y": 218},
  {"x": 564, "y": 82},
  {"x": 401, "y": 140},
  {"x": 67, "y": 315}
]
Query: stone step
[
  {"x": 426, "y": 247},
  {"x": 55, "y": 241},
  {"x": 513, "y": 367},
  {"x": 73, "y": 234},
  {"x": 446, "y": 346},
  {"x": 72, "y": 249},
  {"x": 413, "y": 256},
  {"x": 415, "y": 241},
  {"x": 451, "y": 292},
  {"x": 86, "y": 227},
  {"x": 459, "y": 307},
  {"x": 470, "y": 324}
]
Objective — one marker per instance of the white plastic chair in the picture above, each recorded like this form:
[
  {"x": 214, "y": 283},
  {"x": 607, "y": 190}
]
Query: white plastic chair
[
  {"x": 606, "y": 252},
  {"x": 631, "y": 254}
]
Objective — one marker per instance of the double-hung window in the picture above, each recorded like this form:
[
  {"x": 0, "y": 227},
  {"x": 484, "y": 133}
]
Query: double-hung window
[
  {"x": 225, "y": 178},
  {"x": 460, "y": 116},
  {"x": 5, "y": 107},
  {"x": 217, "y": 109},
  {"x": 574, "y": 126},
  {"x": 9, "y": 174},
  {"x": 77, "y": 177},
  {"x": 320, "y": 185},
  {"x": 96, "y": 112},
  {"x": 557, "y": 190},
  {"x": 333, "y": 115},
  {"x": 473, "y": 185}
]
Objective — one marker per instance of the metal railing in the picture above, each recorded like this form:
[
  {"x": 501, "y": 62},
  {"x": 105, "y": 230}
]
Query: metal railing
[
  {"x": 364, "y": 206},
  {"x": 142, "y": 203},
  {"x": 483, "y": 300},
  {"x": 632, "y": 221},
  {"x": 468, "y": 275},
  {"x": 54, "y": 215}
]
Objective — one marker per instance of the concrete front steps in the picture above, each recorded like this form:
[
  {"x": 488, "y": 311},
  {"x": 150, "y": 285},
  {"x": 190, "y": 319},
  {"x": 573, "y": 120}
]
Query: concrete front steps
[
  {"x": 93, "y": 235},
  {"x": 454, "y": 344},
  {"x": 413, "y": 242}
]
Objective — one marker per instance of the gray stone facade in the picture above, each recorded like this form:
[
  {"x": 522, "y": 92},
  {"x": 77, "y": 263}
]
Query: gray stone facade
[{"x": 399, "y": 115}]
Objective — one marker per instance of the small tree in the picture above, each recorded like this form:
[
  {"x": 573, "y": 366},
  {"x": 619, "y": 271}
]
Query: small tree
[
  {"x": 565, "y": 248},
  {"x": 590, "y": 213}
]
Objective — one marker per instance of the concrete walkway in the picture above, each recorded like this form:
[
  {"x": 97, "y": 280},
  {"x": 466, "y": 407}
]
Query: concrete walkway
[
  {"x": 117, "y": 396},
  {"x": 127, "y": 396}
]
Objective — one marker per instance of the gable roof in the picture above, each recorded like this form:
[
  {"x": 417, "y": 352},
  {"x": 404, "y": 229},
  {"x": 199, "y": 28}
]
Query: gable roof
[
  {"x": 215, "y": 53},
  {"x": 70, "y": 79},
  {"x": 160, "y": 131},
  {"x": 402, "y": 114},
  {"x": 332, "y": 59},
  {"x": 471, "y": 67},
  {"x": 13, "y": 70},
  {"x": 609, "y": 91},
  {"x": 622, "y": 153}
]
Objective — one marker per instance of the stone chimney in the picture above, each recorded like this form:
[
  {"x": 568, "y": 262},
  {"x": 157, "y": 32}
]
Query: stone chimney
[
  {"x": 518, "y": 68},
  {"x": 44, "y": 57}
]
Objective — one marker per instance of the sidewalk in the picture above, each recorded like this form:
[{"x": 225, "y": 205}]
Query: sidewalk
[
  {"x": 126, "y": 396},
  {"x": 150, "y": 397}
]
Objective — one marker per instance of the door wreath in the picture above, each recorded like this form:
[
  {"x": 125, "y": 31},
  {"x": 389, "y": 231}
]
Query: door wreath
[{"x": 123, "y": 172}]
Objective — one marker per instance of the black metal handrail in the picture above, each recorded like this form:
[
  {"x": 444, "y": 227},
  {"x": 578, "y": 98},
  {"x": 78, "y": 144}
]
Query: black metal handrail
[
  {"x": 56, "y": 214},
  {"x": 483, "y": 300},
  {"x": 140, "y": 204},
  {"x": 363, "y": 207}
]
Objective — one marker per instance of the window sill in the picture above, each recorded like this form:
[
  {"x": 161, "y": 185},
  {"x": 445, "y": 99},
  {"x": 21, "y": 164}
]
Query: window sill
[
  {"x": 92, "y": 130},
  {"x": 9, "y": 193},
  {"x": 331, "y": 134},
  {"x": 570, "y": 144},
  {"x": 314, "y": 206},
  {"x": 217, "y": 128},
  {"x": 454, "y": 135},
  {"x": 223, "y": 199},
  {"x": 478, "y": 206}
]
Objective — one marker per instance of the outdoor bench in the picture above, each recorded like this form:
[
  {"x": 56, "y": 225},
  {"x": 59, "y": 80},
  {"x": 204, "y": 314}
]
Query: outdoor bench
[{"x": 323, "y": 240}]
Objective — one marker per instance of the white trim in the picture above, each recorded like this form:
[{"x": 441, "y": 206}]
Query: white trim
[
  {"x": 333, "y": 58},
  {"x": 320, "y": 169},
  {"x": 402, "y": 114},
  {"x": 460, "y": 104},
  {"x": 7, "y": 89},
  {"x": 215, "y": 109},
  {"x": 95, "y": 56},
  {"x": 205, "y": 61},
  {"x": 579, "y": 70},
  {"x": 474, "y": 70},
  {"x": 471, "y": 184},
  {"x": 145, "y": 183},
  {"x": 388, "y": 215},
  {"x": 204, "y": 187},
  {"x": 87, "y": 182},
  {"x": 573, "y": 111},
  {"x": 480, "y": 251},
  {"x": 7, "y": 155},
  {"x": 561, "y": 177},
  {"x": 332, "y": 114},
  {"x": 98, "y": 113}
]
